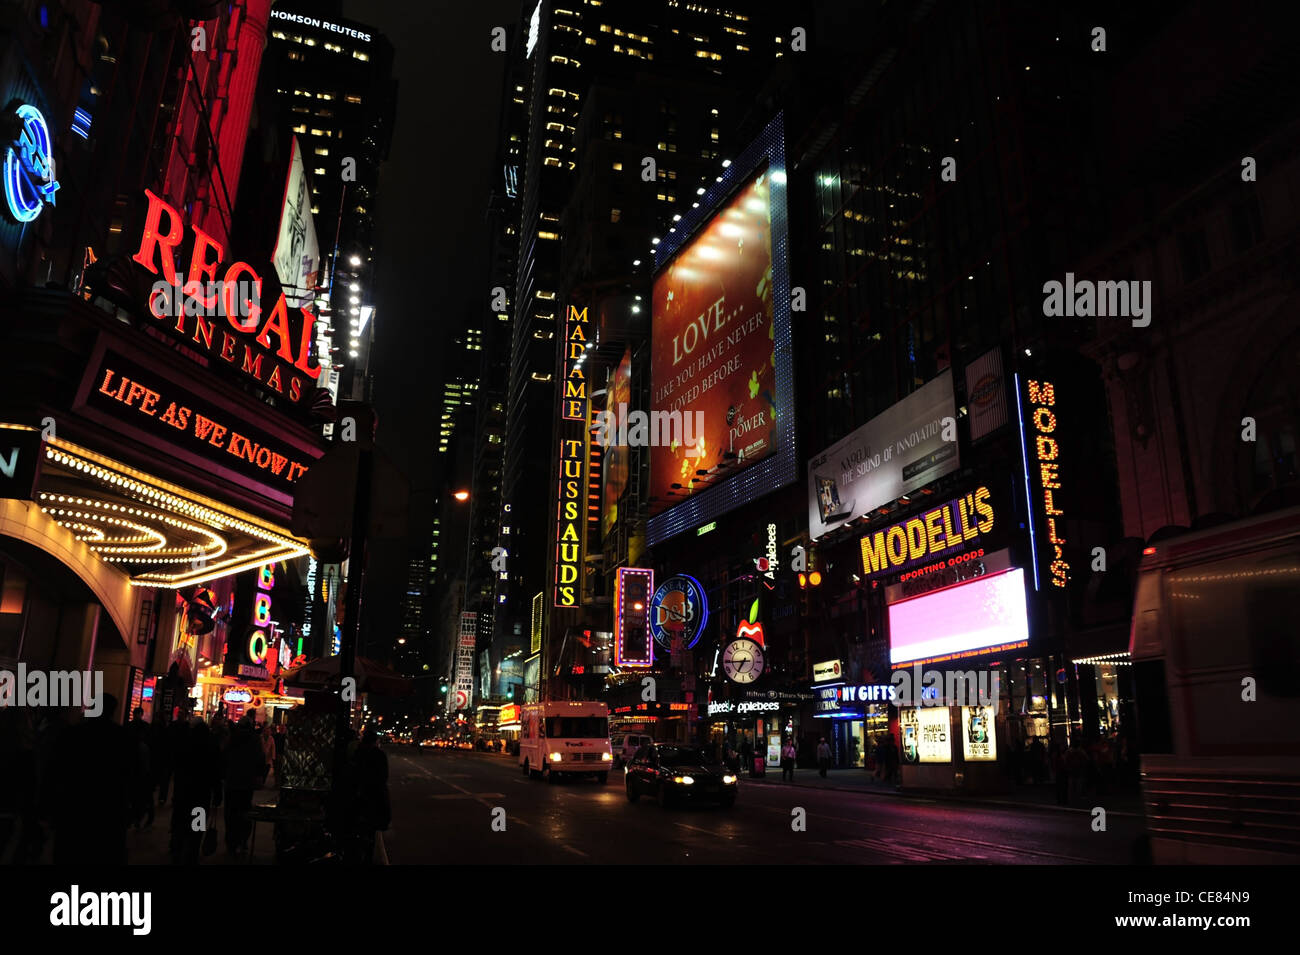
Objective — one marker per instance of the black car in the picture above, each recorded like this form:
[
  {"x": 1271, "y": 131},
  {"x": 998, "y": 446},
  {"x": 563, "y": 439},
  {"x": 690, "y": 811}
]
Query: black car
[{"x": 674, "y": 773}]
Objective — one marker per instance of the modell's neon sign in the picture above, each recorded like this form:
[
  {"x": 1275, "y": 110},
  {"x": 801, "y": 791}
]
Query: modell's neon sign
[
  {"x": 1047, "y": 451},
  {"x": 220, "y": 310}
]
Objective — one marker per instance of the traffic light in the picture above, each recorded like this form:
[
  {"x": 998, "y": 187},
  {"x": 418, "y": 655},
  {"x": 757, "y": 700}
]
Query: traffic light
[{"x": 442, "y": 688}]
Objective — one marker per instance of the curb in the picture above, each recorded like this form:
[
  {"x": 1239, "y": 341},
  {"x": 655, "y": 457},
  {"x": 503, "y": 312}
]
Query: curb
[{"x": 946, "y": 797}]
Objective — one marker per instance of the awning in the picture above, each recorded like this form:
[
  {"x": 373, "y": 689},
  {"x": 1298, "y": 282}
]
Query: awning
[{"x": 155, "y": 532}]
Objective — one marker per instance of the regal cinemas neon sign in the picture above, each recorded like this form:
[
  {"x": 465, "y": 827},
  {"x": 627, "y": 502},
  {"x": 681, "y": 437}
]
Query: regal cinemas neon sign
[{"x": 261, "y": 345}]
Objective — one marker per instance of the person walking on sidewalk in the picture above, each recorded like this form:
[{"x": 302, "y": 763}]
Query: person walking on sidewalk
[
  {"x": 823, "y": 757},
  {"x": 788, "y": 756}
]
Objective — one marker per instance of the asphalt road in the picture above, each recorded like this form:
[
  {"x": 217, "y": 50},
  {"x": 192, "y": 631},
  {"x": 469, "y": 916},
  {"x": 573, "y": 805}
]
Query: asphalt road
[{"x": 445, "y": 803}]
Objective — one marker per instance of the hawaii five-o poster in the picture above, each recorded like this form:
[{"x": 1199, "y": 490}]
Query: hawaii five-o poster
[{"x": 713, "y": 357}]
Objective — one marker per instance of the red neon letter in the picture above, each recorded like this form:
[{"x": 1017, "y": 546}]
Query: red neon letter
[
  {"x": 199, "y": 267},
  {"x": 278, "y": 323},
  {"x": 304, "y": 345},
  {"x": 151, "y": 239},
  {"x": 248, "y": 322}
]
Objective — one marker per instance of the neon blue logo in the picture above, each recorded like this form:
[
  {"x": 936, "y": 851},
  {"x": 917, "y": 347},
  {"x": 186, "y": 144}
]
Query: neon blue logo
[
  {"x": 29, "y": 167},
  {"x": 678, "y": 609}
]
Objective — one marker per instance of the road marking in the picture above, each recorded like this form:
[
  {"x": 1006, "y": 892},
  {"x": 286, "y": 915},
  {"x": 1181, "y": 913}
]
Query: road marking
[
  {"x": 707, "y": 832},
  {"x": 898, "y": 854},
  {"x": 982, "y": 844}
]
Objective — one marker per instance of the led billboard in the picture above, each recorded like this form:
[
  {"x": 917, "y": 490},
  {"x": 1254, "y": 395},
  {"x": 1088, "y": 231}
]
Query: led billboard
[
  {"x": 616, "y": 455},
  {"x": 721, "y": 423},
  {"x": 985, "y": 615},
  {"x": 898, "y": 451}
]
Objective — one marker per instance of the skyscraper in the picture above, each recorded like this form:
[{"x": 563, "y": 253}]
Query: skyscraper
[
  {"x": 606, "y": 87},
  {"x": 328, "y": 84}
]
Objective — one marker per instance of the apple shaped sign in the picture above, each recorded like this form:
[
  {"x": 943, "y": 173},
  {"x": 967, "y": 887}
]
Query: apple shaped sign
[{"x": 752, "y": 630}]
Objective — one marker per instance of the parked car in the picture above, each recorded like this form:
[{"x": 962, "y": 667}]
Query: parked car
[
  {"x": 625, "y": 746},
  {"x": 674, "y": 773}
]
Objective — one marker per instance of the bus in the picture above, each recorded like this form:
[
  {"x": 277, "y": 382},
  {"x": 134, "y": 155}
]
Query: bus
[
  {"x": 565, "y": 738},
  {"x": 1215, "y": 651}
]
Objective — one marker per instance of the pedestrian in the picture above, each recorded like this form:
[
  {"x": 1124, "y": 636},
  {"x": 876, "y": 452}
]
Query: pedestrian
[
  {"x": 1037, "y": 760},
  {"x": 747, "y": 755},
  {"x": 1079, "y": 766},
  {"x": 268, "y": 753},
  {"x": 92, "y": 779},
  {"x": 823, "y": 757},
  {"x": 281, "y": 741},
  {"x": 19, "y": 769},
  {"x": 891, "y": 759},
  {"x": 142, "y": 808},
  {"x": 197, "y": 793},
  {"x": 788, "y": 756},
  {"x": 242, "y": 771},
  {"x": 372, "y": 810},
  {"x": 1060, "y": 772}
]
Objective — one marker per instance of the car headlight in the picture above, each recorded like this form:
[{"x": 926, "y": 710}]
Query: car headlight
[
  {"x": 684, "y": 780},
  {"x": 728, "y": 780},
  {"x": 555, "y": 757},
  {"x": 607, "y": 757}
]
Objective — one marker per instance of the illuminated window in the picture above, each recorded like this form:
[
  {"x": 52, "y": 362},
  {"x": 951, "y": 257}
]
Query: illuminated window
[
  {"x": 353, "y": 98},
  {"x": 615, "y": 214},
  {"x": 319, "y": 170},
  {"x": 551, "y": 161},
  {"x": 617, "y": 166},
  {"x": 548, "y": 296},
  {"x": 300, "y": 129},
  {"x": 322, "y": 151},
  {"x": 320, "y": 132},
  {"x": 358, "y": 55},
  {"x": 548, "y": 235}
]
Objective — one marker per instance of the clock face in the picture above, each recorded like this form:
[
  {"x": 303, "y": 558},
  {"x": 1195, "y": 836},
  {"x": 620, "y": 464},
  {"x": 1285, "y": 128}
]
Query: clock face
[{"x": 742, "y": 660}]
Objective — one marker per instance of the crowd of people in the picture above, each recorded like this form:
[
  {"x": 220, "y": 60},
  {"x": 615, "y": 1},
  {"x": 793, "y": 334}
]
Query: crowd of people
[
  {"x": 83, "y": 783},
  {"x": 1079, "y": 770}
]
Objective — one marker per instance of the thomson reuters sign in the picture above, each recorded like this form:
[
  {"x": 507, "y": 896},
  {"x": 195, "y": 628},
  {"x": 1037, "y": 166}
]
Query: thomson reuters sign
[{"x": 931, "y": 534}]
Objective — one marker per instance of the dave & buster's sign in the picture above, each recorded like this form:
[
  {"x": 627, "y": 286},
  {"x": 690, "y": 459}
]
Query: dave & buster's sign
[
  {"x": 220, "y": 311},
  {"x": 132, "y": 395}
]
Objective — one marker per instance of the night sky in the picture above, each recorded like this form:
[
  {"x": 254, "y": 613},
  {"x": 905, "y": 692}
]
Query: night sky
[{"x": 432, "y": 238}]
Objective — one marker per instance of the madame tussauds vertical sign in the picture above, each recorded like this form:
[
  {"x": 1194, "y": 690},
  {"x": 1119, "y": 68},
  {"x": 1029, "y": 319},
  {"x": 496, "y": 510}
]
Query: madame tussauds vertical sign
[{"x": 217, "y": 307}]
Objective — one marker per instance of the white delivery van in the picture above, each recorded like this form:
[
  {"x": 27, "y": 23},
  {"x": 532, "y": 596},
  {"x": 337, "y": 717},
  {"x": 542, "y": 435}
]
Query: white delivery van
[
  {"x": 1216, "y": 664},
  {"x": 565, "y": 737}
]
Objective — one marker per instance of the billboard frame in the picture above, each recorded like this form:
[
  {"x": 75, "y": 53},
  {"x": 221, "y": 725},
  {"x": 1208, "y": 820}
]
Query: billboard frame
[{"x": 781, "y": 467}]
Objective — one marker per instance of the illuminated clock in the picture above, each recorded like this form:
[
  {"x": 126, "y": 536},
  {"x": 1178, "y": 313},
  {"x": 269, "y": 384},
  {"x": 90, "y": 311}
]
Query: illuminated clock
[{"x": 742, "y": 660}]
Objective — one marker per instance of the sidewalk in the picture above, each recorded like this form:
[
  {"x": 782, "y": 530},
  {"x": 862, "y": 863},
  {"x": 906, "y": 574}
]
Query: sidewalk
[
  {"x": 152, "y": 846},
  {"x": 1042, "y": 796}
]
